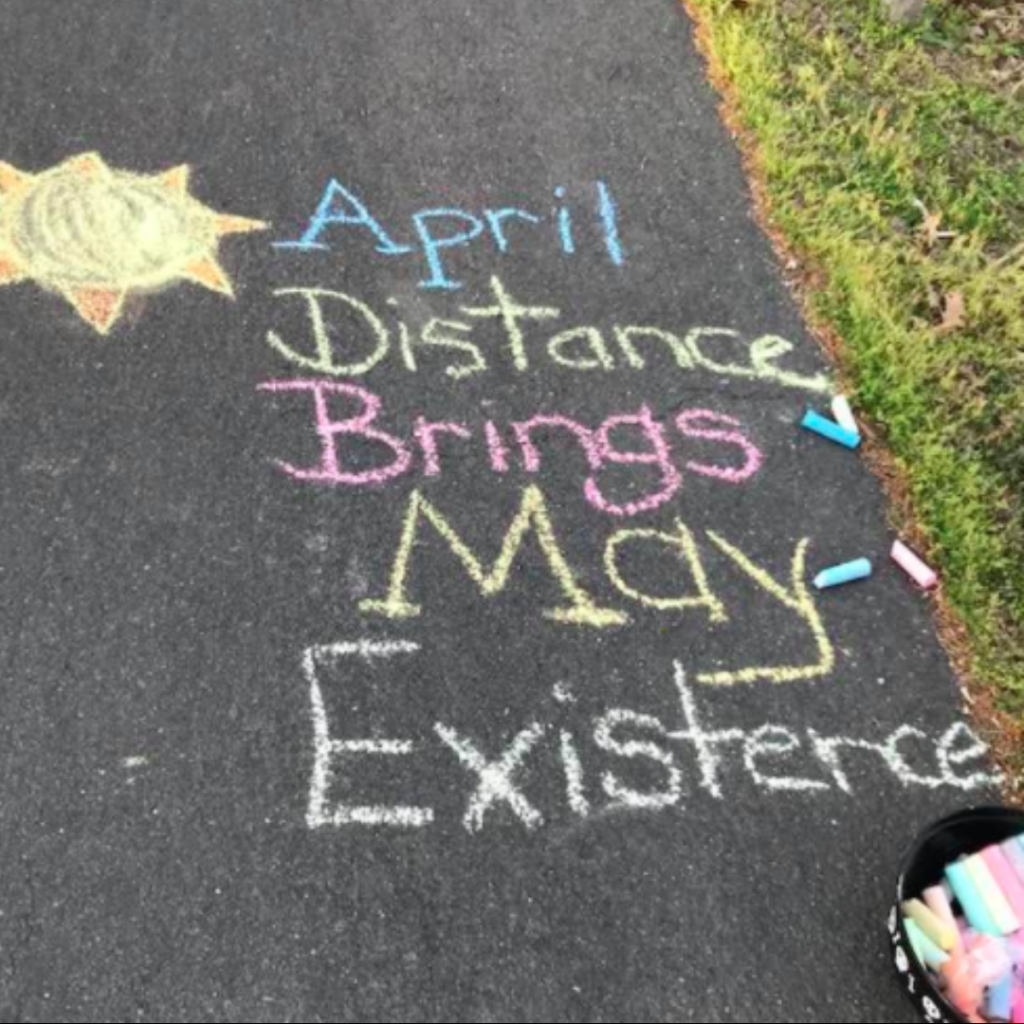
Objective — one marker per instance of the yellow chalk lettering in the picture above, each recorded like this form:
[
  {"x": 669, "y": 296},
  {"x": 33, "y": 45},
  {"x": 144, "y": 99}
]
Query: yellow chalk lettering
[
  {"x": 799, "y": 600},
  {"x": 766, "y": 350},
  {"x": 763, "y": 354},
  {"x": 595, "y": 354},
  {"x": 533, "y": 516},
  {"x": 435, "y": 336},
  {"x": 324, "y": 361},
  {"x": 628, "y": 336},
  {"x": 512, "y": 315},
  {"x": 683, "y": 541}
]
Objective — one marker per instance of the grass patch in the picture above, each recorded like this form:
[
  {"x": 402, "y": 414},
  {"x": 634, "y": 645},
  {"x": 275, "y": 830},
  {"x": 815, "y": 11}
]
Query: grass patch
[{"x": 893, "y": 162}]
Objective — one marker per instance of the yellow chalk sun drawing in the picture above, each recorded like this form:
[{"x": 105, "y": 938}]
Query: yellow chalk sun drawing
[{"x": 95, "y": 234}]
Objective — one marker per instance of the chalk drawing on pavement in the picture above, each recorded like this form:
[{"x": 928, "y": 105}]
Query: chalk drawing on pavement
[
  {"x": 95, "y": 234},
  {"x": 593, "y": 755}
]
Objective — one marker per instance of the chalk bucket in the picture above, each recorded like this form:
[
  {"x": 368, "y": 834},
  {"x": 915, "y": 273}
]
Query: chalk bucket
[{"x": 961, "y": 835}]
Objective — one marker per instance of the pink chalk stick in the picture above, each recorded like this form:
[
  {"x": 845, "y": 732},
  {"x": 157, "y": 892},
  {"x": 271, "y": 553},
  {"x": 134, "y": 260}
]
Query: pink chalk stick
[
  {"x": 1015, "y": 855},
  {"x": 938, "y": 903},
  {"x": 923, "y": 575},
  {"x": 1006, "y": 878}
]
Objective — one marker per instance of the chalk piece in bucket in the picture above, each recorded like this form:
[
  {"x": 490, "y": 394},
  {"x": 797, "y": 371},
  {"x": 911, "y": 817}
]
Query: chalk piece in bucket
[
  {"x": 843, "y": 413},
  {"x": 923, "y": 575},
  {"x": 924, "y": 949},
  {"x": 819, "y": 424},
  {"x": 1007, "y": 879},
  {"x": 861, "y": 569},
  {"x": 999, "y": 908},
  {"x": 999, "y": 1002},
  {"x": 1015, "y": 855},
  {"x": 970, "y": 899},
  {"x": 940, "y": 903},
  {"x": 944, "y": 934}
]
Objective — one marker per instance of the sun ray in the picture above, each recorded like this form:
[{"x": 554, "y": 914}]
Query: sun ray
[
  {"x": 99, "y": 307},
  {"x": 90, "y": 164},
  {"x": 226, "y": 224},
  {"x": 177, "y": 179},
  {"x": 12, "y": 179},
  {"x": 10, "y": 270},
  {"x": 210, "y": 274}
]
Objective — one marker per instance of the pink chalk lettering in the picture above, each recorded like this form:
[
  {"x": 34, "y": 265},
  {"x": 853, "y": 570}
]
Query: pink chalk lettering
[
  {"x": 427, "y": 433},
  {"x": 497, "y": 448},
  {"x": 660, "y": 455},
  {"x": 689, "y": 425},
  {"x": 531, "y": 455},
  {"x": 331, "y": 470}
]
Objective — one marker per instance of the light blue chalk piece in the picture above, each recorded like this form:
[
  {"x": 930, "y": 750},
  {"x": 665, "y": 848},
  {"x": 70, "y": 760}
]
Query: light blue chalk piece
[
  {"x": 974, "y": 906},
  {"x": 861, "y": 569},
  {"x": 999, "y": 1004},
  {"x": 924, "y": 949},
  {"x": 829, "y": 428}
]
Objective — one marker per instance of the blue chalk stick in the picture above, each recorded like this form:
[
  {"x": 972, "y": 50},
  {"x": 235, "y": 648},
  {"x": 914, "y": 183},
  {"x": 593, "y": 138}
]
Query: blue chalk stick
[
  {"x": 974, "y": 906},
  {"x": 829, "y": 428},
  {"x": 999, "y": 1003},
  {"x": 862, "y": 569}
]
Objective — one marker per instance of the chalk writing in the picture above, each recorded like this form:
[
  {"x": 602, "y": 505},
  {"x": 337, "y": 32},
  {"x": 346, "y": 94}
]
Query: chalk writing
[
  {"x": 95, "y": 235},
  {"x": 330, "y": 751},
  {"x": 346, "y": 337},
  {"x": 533, "y": 517},
  {"x": 683, "y": 759},
  {"x": 584, "y": 608},
  {"x": 597, "y": 444},
  {"x": 439, "y": 231}
]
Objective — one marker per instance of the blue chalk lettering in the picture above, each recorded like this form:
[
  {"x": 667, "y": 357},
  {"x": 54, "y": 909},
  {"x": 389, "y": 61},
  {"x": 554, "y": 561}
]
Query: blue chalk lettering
[
  {"x": 565, "y": 232},
  {"x": 610, "y": 217},
  {"x": 497, "y": 220},
  {"x": 433, "y": 247},
  {"x": 340, "y": 206}
]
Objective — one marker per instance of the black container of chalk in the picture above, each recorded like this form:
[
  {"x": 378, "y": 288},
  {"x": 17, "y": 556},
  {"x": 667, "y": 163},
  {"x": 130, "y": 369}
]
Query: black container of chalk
[{"x": 945, "y": 842}]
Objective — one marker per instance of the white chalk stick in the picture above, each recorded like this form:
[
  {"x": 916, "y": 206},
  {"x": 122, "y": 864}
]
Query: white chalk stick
[{"x": 843, "y": 412}]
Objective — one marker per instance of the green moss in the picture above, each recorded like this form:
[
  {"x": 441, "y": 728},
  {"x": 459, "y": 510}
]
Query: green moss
[{"x": 862, "y": 127}]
